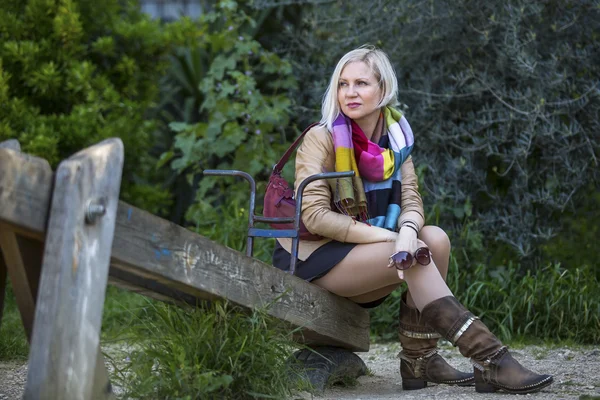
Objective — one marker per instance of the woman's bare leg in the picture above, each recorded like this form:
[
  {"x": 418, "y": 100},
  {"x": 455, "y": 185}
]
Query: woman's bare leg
[
  {"x": 363, "y": 276},
  {"x": 365, "y": 270},
  {"x": 438, "y": 242}
]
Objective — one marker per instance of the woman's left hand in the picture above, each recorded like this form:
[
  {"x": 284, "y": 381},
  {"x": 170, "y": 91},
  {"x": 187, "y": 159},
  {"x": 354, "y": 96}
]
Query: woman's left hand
[{"x": 406, "y": 241}]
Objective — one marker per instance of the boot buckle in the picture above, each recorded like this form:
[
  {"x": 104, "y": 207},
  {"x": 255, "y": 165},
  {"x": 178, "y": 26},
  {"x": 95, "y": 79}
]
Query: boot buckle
[
  {"x": 486, "y": 364},
  {"x": 418, "y": 364}
]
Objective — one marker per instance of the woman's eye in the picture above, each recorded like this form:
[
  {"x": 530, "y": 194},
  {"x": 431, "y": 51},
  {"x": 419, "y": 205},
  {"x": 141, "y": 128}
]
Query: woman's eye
[
  {"x": 343, "y": 84},
  {"x": 362, "y": 83}
]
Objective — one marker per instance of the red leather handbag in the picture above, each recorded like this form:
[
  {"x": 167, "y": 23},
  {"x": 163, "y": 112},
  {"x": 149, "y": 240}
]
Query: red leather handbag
[{"x": 279, "y": 196}]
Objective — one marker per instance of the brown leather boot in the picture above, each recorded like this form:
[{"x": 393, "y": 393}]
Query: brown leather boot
[
  {"x": 495, "y": 369},
  {"x": 419, "y": 361}
]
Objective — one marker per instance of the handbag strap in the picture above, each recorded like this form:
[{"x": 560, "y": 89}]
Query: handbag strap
[{"x": 286, "y": 156}]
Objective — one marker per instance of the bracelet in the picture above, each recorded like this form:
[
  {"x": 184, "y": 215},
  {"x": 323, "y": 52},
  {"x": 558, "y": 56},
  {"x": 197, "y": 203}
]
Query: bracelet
[
  {"x": 411, "y": 227},
  {"x": 410, "y": 222}
]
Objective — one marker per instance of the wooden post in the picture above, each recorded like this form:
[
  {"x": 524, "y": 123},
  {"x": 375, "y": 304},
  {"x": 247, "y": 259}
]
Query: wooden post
[
  {"x": 12, "y": 144},
  {"x": 64, "y": 356}
]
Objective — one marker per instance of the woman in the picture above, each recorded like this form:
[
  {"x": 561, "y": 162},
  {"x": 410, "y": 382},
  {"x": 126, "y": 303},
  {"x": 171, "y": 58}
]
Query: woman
[{"x": 374, "y": 238}]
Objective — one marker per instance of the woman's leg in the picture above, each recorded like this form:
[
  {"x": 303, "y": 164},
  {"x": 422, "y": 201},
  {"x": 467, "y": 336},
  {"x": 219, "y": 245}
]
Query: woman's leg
[
  {"x": 420, "y": 363},
  {"x": 365, "y": 270},
  {"x": 438, "y": 242},
  {"x": 363, "y": 276}
]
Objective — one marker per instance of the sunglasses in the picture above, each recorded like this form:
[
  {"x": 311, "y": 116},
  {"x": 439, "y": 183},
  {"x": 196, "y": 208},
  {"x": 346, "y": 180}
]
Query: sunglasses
[{"x": 403, "y": 259}]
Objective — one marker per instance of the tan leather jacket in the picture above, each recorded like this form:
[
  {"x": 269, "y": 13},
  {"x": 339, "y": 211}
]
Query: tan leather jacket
[{"x": 316, "y": 155}]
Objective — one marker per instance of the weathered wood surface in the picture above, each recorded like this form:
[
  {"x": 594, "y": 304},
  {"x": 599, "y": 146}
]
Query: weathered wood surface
[
  {"x": 25, "y": 191},
  {"x": 155, "y": 250},
  {"x": 150, "y": 246},
  {"x": 12, "y": 144},
  {"x": 102, "y": 388},
  {"x": 64, "y": 348}
]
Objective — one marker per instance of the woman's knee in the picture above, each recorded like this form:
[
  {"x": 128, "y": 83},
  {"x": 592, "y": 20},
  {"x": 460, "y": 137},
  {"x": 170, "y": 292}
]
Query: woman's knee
[{"x": 436, "y": 238}]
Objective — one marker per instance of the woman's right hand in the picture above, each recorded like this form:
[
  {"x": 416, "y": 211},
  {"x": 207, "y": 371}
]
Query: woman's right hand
[{"x": 406, "y": 240}]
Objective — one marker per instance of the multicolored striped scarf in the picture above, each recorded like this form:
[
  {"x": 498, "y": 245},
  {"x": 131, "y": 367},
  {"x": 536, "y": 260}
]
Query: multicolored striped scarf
[{"x": 374, "y": 194}]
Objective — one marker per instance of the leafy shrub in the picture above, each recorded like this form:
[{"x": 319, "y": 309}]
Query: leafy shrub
[
  {"x": 232, "y": 97},
  {"x": 73, "y": 73},
  {"x": 210, "y": 352}
]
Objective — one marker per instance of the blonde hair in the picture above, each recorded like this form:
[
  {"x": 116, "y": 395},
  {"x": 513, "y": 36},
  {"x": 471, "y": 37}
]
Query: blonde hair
[{"x": 382, "y": 69}]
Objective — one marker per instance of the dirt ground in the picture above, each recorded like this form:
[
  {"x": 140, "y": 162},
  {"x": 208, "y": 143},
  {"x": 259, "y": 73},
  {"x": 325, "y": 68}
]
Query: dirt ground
[
  {"x": 576, "y": 373},
  {"x": 576, "y": 376}
]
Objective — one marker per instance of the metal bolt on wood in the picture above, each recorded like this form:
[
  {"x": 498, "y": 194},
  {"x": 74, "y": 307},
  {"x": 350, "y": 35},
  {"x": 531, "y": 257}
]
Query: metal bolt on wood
[{"x": 94, "y": 210}]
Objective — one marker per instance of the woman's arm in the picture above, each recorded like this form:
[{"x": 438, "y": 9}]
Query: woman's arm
[
  {"x": 412, "y": 210},
  {"x": 316, "y": 155},
  {"x": 412, "y": 203}
]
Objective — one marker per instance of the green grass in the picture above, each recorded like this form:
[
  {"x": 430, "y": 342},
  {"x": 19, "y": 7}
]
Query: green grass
[
  {"x": 13, "y": 343},
  {"x": 551, "y": 303},
  {"x": 213, "y": 351},
  {"x": 121, "y": 309}
]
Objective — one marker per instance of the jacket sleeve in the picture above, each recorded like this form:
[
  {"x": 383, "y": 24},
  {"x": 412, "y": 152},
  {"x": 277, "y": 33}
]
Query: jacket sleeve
[
  {"x": 316, "y": 155},
  {"x": 412, "y": 203}
]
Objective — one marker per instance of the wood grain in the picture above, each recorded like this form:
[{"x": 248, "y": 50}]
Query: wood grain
[{"x": 64, "y": 354}]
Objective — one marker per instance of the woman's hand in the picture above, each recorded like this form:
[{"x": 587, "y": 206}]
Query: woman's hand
[{"x": 405, "y": 241}]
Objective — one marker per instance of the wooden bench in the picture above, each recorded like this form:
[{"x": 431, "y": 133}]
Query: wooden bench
[{"x": 64, "y": 236}]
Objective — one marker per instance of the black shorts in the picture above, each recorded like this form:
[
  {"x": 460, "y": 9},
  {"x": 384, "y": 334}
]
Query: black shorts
[{"x": 319, "y": 263}]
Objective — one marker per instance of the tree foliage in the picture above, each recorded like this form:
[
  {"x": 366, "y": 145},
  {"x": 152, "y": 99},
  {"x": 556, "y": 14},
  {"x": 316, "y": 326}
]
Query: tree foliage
[
  {"x": 73, "y": 73},
  {"x": 231, "y": 96},
  {"x": 503, "y": 98}
]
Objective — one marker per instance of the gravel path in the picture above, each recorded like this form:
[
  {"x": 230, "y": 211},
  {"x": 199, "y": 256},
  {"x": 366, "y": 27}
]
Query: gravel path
[{"x": 576, "y": 374}]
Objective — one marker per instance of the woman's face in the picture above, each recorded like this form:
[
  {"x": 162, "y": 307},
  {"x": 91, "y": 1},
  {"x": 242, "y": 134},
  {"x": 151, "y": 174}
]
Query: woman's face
[{"x": 358, "y": 91}]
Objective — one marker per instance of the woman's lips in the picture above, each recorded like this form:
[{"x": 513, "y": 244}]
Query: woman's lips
[{"x": 353, "y": 105}]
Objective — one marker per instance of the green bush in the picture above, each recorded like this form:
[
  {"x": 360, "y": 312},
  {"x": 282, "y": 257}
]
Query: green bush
[
  {"x": 211, "y": 352},
  {"x": 232, "y": 97},
  {"x": 73, "y": 73}
]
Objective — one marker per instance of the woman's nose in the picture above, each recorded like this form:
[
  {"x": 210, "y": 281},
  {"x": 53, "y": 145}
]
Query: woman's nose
[{"x": 351, "y": 92}]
